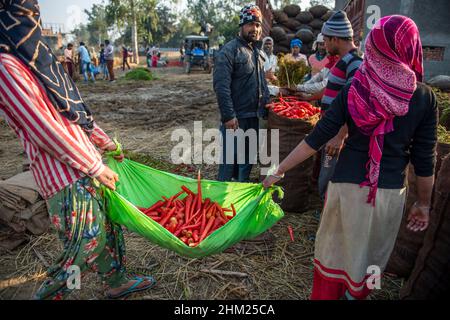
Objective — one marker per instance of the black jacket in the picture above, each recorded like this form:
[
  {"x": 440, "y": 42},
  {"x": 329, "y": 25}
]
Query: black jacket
[
  {"x": 413, "y": 140},
  {"x": 239, "y": 81}
]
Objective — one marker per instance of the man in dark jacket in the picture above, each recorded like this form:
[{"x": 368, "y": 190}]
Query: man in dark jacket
[{"x": 242, "y": 92}]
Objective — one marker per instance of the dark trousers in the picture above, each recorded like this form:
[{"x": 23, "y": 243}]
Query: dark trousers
[
  {"x": 70, "y": 68},
  {"x": 238, "y": 172},
  {"x": 125, "y": 63}
]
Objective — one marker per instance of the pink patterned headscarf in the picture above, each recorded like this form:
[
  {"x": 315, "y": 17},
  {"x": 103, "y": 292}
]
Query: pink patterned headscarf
[{"x": 384, "y": 85}]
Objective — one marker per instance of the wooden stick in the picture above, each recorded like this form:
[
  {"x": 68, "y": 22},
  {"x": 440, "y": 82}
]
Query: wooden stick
[{"x": 224, "y": 272}]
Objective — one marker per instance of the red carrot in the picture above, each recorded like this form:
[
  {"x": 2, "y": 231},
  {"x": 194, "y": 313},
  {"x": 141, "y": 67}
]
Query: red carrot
[
  {"x": 207, "y": 228},
  {"x": 195, "y": 236},
  {"x": 188, "y": 207},
  {"x": 157, "y": 205},
  {"x": 167, "y": 216},
  {"x": 169, "y": 204},
  {"x": 291, "y": 233},
  {"x": 199, "y": 190},
  {"x": 185, "y": 189},
  {"x": 194, "y": 226},
  {"x": 234, "y": 210}
]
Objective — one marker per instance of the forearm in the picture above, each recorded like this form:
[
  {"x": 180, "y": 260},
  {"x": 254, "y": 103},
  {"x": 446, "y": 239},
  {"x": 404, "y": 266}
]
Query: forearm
[
  {"x": 316, "y": 96},
  {"x": 301, "y": 153},
  {"x": 100, "y": 139},
  {"x": 343, "y": 133},
  {"x": 424, "y": 190}
]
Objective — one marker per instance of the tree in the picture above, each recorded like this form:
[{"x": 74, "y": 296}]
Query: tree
[
  {"x": 96, "y": 25},
  {"x": 222, "y": 15},
  {"x": 124, "y": 13},
  {"x": 165, "y": 27}
]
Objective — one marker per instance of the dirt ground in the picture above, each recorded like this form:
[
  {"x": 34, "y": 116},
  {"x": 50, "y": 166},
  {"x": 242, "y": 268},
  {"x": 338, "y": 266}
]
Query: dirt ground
[{"x": 142, "y": 116}]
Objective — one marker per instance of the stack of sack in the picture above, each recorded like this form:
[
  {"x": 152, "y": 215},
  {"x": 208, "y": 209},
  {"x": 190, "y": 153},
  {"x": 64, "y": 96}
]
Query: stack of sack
[
  {"x": 22, "y": 210},
  {"x": 290, "y": 23}
]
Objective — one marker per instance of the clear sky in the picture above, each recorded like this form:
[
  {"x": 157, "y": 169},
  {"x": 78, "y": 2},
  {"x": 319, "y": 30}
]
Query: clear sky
[{"x": 67, "y": 12}]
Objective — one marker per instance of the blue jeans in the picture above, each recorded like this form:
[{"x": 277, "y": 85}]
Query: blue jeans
[
  {"x": 104, "y": 69},
  {"x": 86, "y": 68},
  {"x": 233, "y": 170},
  {"x": 327, "y": 167}
]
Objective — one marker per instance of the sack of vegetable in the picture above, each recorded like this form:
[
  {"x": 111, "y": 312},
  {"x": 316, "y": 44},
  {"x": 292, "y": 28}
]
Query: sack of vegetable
[
  {"x": 244, "y": 210},
  {"x": 408, "y": 242},
  {"x": 294, "y": 120}
]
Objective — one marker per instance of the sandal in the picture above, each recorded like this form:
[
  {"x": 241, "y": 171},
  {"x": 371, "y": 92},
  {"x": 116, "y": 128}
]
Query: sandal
[{"x": 134, "y": 288}]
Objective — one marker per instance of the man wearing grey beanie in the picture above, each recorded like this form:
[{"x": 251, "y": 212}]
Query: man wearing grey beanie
[{"x": 338, "y": 37}]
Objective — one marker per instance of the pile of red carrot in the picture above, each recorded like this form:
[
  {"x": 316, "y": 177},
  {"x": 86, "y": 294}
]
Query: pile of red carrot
[
  {"x": 290, "y": 107},
  {"x": 190, "y": 219}
]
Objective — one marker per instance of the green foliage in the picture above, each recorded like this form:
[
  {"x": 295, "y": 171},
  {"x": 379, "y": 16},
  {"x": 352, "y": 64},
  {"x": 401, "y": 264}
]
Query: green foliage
[
  {"x": 443, "y": 101},
  {"x": 443, "y": 135},
  {"x": 141, "y": 74}
]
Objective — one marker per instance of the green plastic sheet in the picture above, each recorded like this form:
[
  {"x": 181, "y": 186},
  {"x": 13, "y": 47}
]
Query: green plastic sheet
[{"x": 142, "y": 186}]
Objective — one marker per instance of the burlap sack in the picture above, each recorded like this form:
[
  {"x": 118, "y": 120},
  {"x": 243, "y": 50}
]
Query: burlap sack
[
  {"x": 408, "y": 243},
  {"x": 296, "y": 183},
  {"x": 430, "y": 278}
]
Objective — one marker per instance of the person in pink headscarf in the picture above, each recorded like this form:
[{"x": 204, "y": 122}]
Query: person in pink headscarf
[{"x": 392, "y": 120}]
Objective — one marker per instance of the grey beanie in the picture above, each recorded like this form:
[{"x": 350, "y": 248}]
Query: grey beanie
[{"x": 338, "y": 26}]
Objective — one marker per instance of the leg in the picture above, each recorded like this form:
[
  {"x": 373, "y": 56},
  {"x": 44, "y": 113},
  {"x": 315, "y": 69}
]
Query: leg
[
  {"x": 251, "y": 153},
  {"x": 226, "y": 170},
  {"x": 70, "y": 69},
  {"x": 90, "y": 241},
  {"x": 110, "y": 64},
  {"x": 85, "y": 71}
]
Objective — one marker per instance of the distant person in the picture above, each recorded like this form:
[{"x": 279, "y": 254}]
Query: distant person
[
  {"x": 148, "y": 54},
  {"x": 182, "y": 53},
  {"x": 86, "y": 64},
  {"x": 103, "y": 62},
  {"x": 319, "y": 59},
  {"x": 68, "y": 59},
  {"x": 109, "y": 57},
  {"x": 155, "y": 57},
  {"x": 271, "y": 64},
  {"x": 296, "y": 45},
  {"x": 125, "y": 58}
]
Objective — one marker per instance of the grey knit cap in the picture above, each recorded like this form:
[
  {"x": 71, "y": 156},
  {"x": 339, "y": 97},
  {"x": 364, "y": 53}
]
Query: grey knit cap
[{"x": 338, "y": 26}]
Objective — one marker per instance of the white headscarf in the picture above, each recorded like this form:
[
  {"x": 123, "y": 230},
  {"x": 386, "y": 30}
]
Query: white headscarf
[{"x": 319, "y": 39}]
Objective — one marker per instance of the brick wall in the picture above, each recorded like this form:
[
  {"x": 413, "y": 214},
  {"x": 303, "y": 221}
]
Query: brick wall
[{"x": 433, "y": 53}]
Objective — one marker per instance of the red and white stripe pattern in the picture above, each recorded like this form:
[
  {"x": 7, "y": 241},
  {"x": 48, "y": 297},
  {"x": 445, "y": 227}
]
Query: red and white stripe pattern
[{"x": 60, "y": 152}]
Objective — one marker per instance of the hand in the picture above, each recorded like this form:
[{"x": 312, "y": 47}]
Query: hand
[
  {"x": 108, "y": 178},
  {"x": 283, "y": 92},
  {"x": 232, "y": 124},
  {"x": 418, "y": 218},
  {"x": 303, "y": 96},
  {"x": 113, "y": 147},
  {"x": 334, "y": 146},
  {"x": 269, "y": 181},
  {"x": 270, "y": 76}
]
